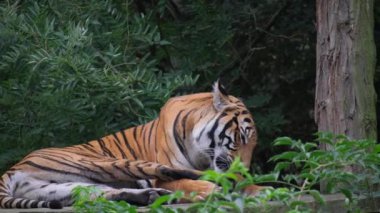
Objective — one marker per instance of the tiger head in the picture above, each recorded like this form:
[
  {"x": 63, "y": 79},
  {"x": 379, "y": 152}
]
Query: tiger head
[{"x": 226, "y": 131}]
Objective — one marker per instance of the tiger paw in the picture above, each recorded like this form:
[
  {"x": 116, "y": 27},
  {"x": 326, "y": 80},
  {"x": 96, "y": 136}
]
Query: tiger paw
[
  {"x": 253, "y": 190},
  {"x": 204, "y": 188},
  {"x": 137, "y": 196},
  {"x": 201, "y": 188}
]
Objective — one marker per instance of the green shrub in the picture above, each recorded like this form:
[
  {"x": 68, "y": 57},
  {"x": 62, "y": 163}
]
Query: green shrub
[{"x": 71, "y": 75}]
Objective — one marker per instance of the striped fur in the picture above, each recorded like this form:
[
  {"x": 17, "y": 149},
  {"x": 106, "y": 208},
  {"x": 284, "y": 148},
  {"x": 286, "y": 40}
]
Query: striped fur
[{"x": 192, "y": 133}]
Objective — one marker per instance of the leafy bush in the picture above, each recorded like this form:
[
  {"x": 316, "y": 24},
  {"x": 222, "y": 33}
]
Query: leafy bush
[
  {"x": 315, "y": 166},
  {"x": 71, "y": 75}
]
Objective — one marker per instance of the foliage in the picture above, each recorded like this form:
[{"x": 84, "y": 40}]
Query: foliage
[
  {"x": 90, "y": 199},
  {"x": 315, "y": 167},
  {"x": 348, "y": 166},
  {"x": 70, "y": 75}
]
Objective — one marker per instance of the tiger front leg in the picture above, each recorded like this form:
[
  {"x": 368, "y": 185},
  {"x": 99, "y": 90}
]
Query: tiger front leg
[{"x": 202, "y": 188}]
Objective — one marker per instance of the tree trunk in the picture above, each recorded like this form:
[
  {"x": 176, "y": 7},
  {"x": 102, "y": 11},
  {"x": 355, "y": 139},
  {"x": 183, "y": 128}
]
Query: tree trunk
[{"x": 345, "y": 101}]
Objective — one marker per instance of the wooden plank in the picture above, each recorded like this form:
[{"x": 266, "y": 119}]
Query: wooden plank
[{"x": 335, "y": 203}]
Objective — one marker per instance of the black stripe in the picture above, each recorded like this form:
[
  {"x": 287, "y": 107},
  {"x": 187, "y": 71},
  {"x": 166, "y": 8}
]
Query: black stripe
[
  {"x": 177, "y": 173},
  {"x": 56, "y": 153},
  {"x": 201, "y": 133},
  {"x": 8, "y": 203},
  {"x": 143, "y": 139},
  {"x": 184, "y": 119},
  {"x": 103, "y": 170},
  {"x": 145, "y": 175},
  {"x": 128, "y": 172},
  {"x": 16, "y": 187},
  {"x": 105, "y": 149},
  {"x": 24, "y": 184},
  {"x": 212, "y": 131},
  {"x": 18, "y": 204},
  {"x": 137, "y": 142},
  {"x": 45, "y": 168},
  {"x": 243, "y": 139},
  {"x": 88, "y": 146},
  {"x": 141, "y": 129},
  {"x": 34, "y": 204},
  {"x": 168, "y": 157},
  {"x": 221, "y": 89},
  {"x": 13, "y": 204},
  {"x": 149, "y": 184},
  {"x": 26, "y": 204},
  {"x": 223, "y": 132},
  {"x": 119, "y": 148},
  {"x": 77, "y": 166},
  {"x": 68, "y": 153},
  {"x": 45, "y": 205},
  {"x": 150, "y": 131},
  {"x": 211, "y": 135},
  {"x": 173, "y": 155},
  {"x": 128, "y": 145},
  {"x": 155, "y": 140},
  {"x": 226, "y": 126},
  {"x": 178, "y": 140},
  {"x": 117, "y": 138},
  {"x": 248, "y": 120}
]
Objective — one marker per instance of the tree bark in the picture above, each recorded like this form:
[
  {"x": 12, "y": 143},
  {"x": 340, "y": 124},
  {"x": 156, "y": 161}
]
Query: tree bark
[{"x": 345, "y": 101}]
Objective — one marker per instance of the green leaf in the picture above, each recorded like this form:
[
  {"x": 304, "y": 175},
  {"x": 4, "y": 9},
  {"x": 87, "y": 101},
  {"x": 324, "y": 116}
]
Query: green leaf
[
  {"x": 159, "y": 201},
  {"x": 231, "y": 206},
  {"x": 284, "y": 156},
  {"x": 377, "y": 148},
  {"x": 265, "y": 178},
  {"x": 309, "y": 146},
  {"x": 307, "y": 175},
  {"x": 296, "y": 203},
  {"x": 283, "y": 141},
  {"x": 317, "y": 196},
  {"x": 281, "y": 166},
  {"x": 346, "y": 193},
  {"x": 164, "y": 42}
]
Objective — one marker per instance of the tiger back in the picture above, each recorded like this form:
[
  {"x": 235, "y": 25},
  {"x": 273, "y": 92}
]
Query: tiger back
[{"x": 192, "y": 133}]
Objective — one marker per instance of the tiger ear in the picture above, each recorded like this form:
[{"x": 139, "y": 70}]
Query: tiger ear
[{"x": 220, "y": 96}]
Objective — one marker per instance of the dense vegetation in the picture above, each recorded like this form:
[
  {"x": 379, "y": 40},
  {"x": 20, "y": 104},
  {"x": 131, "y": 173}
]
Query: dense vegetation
[{"x": 71, "y": 71}]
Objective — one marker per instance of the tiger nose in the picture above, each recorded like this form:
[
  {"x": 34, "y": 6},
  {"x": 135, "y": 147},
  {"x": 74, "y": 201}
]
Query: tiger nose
[{"x": 222, "y": 163}]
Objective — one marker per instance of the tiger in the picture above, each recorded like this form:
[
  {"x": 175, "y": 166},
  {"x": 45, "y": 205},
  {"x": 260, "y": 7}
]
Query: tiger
[{"x": 191, "y": 134}]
